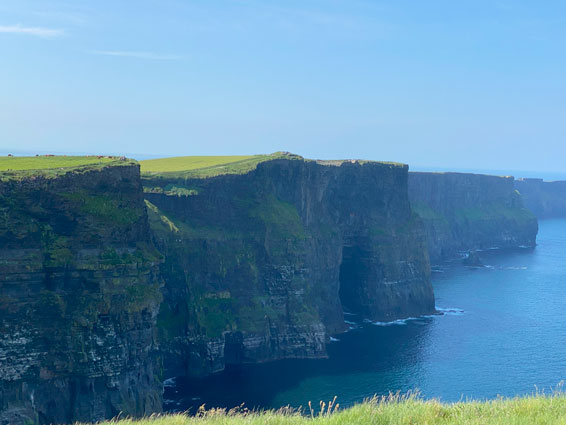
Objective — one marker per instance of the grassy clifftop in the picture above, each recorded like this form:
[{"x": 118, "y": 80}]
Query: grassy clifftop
[
  {"x": 207, "y": 166},
  {"x": 15, "y": 167},
  {"x": 211, "y": 166},
  {"x": 534, "y": 410}
]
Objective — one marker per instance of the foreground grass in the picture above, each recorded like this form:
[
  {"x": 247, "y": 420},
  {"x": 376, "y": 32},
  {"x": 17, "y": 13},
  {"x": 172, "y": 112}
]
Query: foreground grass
[{"x": 397, "y": 411}]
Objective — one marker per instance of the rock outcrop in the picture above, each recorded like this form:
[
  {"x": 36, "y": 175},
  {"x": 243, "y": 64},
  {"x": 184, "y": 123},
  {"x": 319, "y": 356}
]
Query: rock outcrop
[
  {"x": 467, "y": 212},
  {"x": 258, "y": 266},
  {"x": 545, "y": 199},
  {"x": 79, "y": 295}
]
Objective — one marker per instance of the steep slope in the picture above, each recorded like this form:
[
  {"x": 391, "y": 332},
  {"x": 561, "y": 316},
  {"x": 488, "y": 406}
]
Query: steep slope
[
  {"x": 259, "y": 264},
  {"x": 464, "y": 212},
  {"x": 79, "y": 293},
  {"x": 545, "y": 199}
]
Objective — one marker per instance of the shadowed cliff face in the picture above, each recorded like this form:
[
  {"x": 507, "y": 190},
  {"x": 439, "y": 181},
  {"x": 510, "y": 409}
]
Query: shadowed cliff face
[
  {"x": 79, "y": 294},
  {"x": 545, "y": 199},
  {"x": 464, "y": 212},
  {"x": 257, "y": 266}
]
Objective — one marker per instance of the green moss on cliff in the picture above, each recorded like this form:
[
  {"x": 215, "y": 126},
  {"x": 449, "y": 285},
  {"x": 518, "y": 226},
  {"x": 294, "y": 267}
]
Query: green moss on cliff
[
  {"x": 109, "y": 209},
  {"x": 232, "y": 252},
  {"x": 426, "y": 212},
  {"x": 493, "y": 212},
  {"x": 281, "y": 218},
  {"x": 216, "y": 314},
  {"x": 56, "y": 248}
]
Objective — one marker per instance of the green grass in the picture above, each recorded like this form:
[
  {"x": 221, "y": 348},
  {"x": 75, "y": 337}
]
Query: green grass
[
  {"x": 20, "y": 163},
  {"x": 211, "y": 166},
  {"x": 187, "y": 163},
  {"x": 51, "y": 166},
  {"x": 533, "y": 410},
  {"x": 206, "y": 166}
]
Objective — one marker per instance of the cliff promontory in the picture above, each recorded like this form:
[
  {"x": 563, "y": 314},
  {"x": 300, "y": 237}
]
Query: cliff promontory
[
  {"x": 79, "y": 293},
  {"x": 545, "y": 199},
  {"x": 261, "y": 258},
  {"x": 466, "y": 212}
]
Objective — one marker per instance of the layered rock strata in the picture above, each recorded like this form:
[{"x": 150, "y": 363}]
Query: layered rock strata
[{"x": 79, "y": 295}]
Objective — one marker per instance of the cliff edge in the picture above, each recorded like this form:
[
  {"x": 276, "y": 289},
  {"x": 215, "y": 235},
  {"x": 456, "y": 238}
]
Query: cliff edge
[
  {"x": 545, "y": 199},
  {"x": 79, "y": 293},
  {"x": 468, "y": 212},
  {"x": 260, "y": 264}
]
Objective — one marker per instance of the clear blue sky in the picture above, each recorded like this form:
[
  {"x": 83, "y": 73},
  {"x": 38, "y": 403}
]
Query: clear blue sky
[{"x": 463, "y": 84}]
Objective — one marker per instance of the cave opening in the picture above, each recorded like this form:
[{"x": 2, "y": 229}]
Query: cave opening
[{"x": 354, "y": 271}]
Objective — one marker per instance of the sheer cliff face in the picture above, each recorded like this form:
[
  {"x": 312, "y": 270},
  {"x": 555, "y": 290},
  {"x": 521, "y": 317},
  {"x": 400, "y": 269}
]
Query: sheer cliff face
[
  {"x": 79, "y": 294},
  {"x": 545, "y": 199},
  {"x": 464, "y": 212},
  {"x": 258, "y": 266}
]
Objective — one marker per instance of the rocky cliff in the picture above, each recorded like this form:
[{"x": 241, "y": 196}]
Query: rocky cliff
[
  {"x": 258, "y": 266},
  {"x": 464, "y": 212},
  {"x": 545, "y": 199},
  {"x": 79, "y": 294}
]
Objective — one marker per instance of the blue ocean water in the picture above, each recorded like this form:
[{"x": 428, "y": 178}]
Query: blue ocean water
[{"x": 504, "y": 333}]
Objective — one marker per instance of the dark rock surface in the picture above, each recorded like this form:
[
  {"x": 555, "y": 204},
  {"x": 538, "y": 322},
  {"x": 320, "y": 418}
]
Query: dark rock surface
[
  {"x": 545, "y": 199},
  {"x": 79, "y": 295},
  {"x": 466, "y": 212},
  {"x": 258, "y": 266},
  {"x": 472, "y": 259}
]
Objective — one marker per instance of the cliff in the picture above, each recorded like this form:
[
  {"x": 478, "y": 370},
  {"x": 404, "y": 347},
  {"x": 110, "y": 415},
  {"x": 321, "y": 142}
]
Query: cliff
[
  {"x": 464, "y": 212},
  {"x": 545, "y": 199},
  {"x": 79, "y": 294},
  {"x": 259, "y": 264}
]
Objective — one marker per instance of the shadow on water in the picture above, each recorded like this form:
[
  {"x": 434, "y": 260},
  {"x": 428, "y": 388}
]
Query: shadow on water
[{"x": 358, "y": 351}]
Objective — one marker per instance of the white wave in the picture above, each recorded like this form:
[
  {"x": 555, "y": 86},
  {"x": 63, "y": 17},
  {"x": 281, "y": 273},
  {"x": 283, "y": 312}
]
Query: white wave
[
  {"x": 334, "y": 339},
  {"x": 170, "y": 383},
  {"x": 516, "y": 268},
  {"x": 450, "y": 311},
  {"x": 352, "y": 328},
  {"x": 392, "y": 323},
  {"x": 420, "y": 320},
  {"x": 350, "y": 323},
  {"x": 398, "y": 322}
]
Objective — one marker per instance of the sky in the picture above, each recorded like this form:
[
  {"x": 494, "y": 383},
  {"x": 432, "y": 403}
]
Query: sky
[{"x": 471, "y": 84}]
